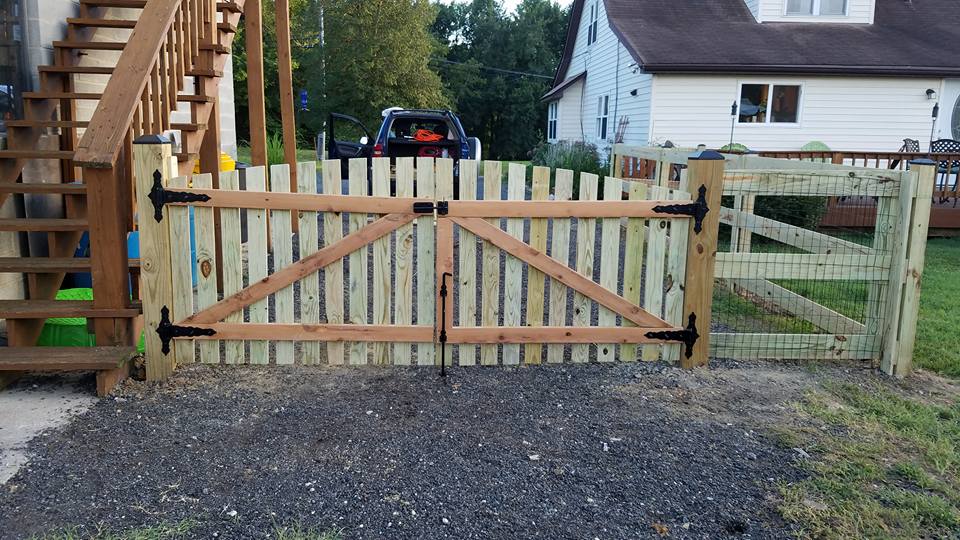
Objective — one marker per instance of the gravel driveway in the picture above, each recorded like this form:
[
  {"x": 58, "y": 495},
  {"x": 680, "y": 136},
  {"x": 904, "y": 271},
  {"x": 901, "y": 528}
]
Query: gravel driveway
[{"x": 584, "y": 451}]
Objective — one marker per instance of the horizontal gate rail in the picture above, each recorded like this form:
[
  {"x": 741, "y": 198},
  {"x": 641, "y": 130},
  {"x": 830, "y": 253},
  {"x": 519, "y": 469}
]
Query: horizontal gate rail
[
  {"x": 565, "y": 209},
  {"x": 557, "y": 334},
  {"x": 296, "y": 201},
  {"x": 318, "y": 332}
]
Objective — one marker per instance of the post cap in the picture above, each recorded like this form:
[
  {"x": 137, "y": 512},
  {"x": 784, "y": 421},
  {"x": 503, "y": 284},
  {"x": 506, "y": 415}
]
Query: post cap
[
  {"x": 706, "y": 155},
  {"x": 152, "y": 139},
  {"x": 922, "y": 161}
]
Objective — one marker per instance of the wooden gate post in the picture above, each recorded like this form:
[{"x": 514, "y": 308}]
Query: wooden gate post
[
  {"x": 705, "y": 177},
  {"x": 900, "y": 328},
  {"x": 152, "y": 161}
]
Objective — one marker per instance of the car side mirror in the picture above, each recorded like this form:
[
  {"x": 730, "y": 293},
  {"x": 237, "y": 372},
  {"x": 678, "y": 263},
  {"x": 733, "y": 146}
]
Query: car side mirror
[{"x": 363, "y": 140}]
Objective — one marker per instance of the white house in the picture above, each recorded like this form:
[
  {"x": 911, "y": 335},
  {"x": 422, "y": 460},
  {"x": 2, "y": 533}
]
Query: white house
[{"x": 853, "y": 74}]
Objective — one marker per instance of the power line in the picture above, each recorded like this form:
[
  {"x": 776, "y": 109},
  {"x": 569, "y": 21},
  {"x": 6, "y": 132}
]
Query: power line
[{"x": 497, "y": 70}]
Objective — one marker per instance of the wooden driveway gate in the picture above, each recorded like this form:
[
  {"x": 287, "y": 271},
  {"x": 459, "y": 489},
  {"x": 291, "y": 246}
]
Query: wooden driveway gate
[{"x": 408, "y": 228}]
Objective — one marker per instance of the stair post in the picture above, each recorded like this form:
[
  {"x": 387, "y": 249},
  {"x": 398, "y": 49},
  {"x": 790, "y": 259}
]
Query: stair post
[{"x": 153, "y": 162}]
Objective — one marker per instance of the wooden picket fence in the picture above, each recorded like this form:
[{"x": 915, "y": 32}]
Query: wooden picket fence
[
  {"x": 890, "y": 264},
  {"x": 537, "y": 270}
]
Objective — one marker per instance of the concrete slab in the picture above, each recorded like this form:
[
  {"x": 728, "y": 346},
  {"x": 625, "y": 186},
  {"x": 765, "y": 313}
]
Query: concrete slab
[{"x": 33, "y": 405}]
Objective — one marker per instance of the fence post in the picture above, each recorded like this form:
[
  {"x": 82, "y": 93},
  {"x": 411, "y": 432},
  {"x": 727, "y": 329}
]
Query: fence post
[
  {"x": 151, "y": 162},
  {"x": 907, "y": 269},
  {"x": 615, "y": 168},
  {"x": 704, "y": 173}
]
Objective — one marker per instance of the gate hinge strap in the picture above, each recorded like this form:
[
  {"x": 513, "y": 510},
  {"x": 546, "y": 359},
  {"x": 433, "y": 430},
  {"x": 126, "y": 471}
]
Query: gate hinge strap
[
  {"x": 160, "y": 196},
  {"x": 697, "y": 209},
  {"x": 688, "y": 336},
  {"x": 442, "y": 207},
  {"x": 167, "y": 330}
]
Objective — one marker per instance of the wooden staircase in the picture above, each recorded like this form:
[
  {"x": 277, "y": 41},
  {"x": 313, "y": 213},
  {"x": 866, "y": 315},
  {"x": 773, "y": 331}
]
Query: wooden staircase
[{"x": 153, "y": 58}]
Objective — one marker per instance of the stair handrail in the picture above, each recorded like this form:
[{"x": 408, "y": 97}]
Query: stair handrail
[{"x": 166, "y": 38}]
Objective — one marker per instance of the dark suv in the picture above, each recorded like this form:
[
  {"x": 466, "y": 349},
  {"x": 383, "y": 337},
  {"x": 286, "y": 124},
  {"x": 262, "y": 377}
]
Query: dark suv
[{"x": 403, "y": 133}]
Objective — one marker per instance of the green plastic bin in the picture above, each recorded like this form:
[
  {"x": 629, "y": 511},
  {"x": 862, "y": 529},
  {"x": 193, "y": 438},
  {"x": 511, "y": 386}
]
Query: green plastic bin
[{"x": 72, "y": 331}]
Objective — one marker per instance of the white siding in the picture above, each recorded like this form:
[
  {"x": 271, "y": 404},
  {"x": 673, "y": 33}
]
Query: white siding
[
  {"x": 846, "y": 113},
  {"x": 754, "y": 7},
  {"x": 858, "y": 12},
  {"x": 610, "y": 71},
  {"x": 568, "y": 114}
]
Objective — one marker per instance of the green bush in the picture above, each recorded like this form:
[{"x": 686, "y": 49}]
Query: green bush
[
  {"x": 275, "y": 149},
  {"x": 579, "y": 157},
  {"x": 803, "y": 212}
]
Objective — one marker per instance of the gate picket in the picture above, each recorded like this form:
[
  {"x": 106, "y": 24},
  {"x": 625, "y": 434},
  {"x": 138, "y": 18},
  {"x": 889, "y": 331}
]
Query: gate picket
[
  {"x": 426, "y": 271},
  {"x": 206, "y": 266},
  {"x": 257, "y": 262},
  {"x": 560, "y": 250},
  {"x": 282, "y": 236},
  {"x": 234, "y": 350},
  {"x": 609, "y": 264},
  {"x": 633, "y": 264},
  {"x": 656, "y": 271},
  {"x": 490, "y": 290},
  {"x": 444, "y": 192},
  {"x": 381, "y": 266},
  {"x": 513, "y": 269},
  {"x": 466, "y": 281},
  {"x": 536, "y": 283},
  {"x": 358, "y": 262},
  {"x": 333, "y": 273},
  {"x": 181, "y": 266},
  {"x": 676, "y": 277},
  {"x": 586, "y": 236},
  {"x": 403, "y": 291},
  {"x": 309, "y": 244}
]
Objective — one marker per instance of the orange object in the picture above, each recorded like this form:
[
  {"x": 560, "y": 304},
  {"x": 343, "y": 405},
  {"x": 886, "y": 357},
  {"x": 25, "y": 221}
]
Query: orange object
[
  {"x": 430, "y": 151},
  {"x": 425, "y": 135}
]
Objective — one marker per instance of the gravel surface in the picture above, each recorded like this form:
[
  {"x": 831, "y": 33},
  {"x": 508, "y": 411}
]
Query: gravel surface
[{"x": 585, "y": 451}]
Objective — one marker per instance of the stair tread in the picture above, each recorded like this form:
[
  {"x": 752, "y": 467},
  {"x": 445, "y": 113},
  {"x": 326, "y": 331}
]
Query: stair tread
[
  {"x": 44, "y": 265},
  {"x": 42, "y": 224},
  {"x": 94, "y": 45},
  {"x": 64, "y": 358},
  {"x": 44, "y": 309},
  {"x": 65, "y": 189},
  {"x": 182, "y": 126},
  {"x": 85, "y": 70},
  {"x": 102, "y": 23},
  {"x": 97, "y": 96},
  {"x": 36, "y": 154}
]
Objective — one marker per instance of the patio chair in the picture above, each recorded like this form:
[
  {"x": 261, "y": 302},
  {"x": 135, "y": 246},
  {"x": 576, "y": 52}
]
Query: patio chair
[
  {"x": 909, "y": 146},
  {"x": 947, "y": 167}
]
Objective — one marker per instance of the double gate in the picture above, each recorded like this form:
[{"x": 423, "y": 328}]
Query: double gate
[{"x": 428, "y": 279}]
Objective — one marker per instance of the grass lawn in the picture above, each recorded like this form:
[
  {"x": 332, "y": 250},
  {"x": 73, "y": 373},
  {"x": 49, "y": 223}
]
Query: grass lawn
[
  {"x": 938, "y": 330},
  {"x": 882, "y": 466},
  {"x": 303, "y": 154}
]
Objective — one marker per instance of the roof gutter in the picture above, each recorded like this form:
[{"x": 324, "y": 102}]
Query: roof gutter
[{"x": 888, "y": 71}]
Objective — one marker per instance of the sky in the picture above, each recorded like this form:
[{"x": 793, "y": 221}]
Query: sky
[{"x": 511, "y": 5}]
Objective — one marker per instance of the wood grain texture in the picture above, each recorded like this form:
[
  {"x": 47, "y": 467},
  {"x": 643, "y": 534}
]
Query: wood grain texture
[
  {"x": 426, "y": 263},
  {"x": 656, "y": 267},
  {"x": 358, "y": 352},
  {"x": 560, "y": 250},
  {"x": 536, "y": 281},
  {"x": 444, "y": 192},
  {"x": 513, "y": 269},
  {"x": 466, "y": 280},
  {"x": 282, "y": 235},
  {"x": 181, "y": 266},
  {"x": 382, "y": 267},
  {"x": 609, "y": 264},
  {"x": 206, "y": 266},
  {"x": 309, "y": 238},
  {"x": 256, "y": 263},
  {"x": 676, "y": 274},
  {"x": 633, "y": 262},
  {"x": 333, "y": 273},
  {"x": 490, "y": 288},
  {"x": 586, "y": 237},
  {"x": 234, "y": 350},
  {"x": 403, "y": 290}
]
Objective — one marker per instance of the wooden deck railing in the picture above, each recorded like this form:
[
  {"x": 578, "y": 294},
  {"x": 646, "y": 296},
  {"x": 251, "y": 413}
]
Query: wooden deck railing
[{"x": 172, "y": 40}]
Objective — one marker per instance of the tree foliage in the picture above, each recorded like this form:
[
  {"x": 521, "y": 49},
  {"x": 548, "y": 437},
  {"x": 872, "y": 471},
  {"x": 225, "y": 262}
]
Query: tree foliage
[{"x": 470, "y": 56}]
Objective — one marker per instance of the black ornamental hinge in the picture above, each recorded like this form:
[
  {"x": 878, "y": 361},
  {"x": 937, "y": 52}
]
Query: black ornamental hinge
[
  {"x": 688, "y": 336},
  {"x": 442, "y": 207},
  {"x": 167, "y": 330},
  {"x": 697, "y": 209},
  {"x": 160, "y": 196}
]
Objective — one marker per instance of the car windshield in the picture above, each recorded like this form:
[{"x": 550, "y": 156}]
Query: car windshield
[{"x": 406, "y": 128}]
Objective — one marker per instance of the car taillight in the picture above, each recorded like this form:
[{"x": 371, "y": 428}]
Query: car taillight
[{"x": 378, "y": 150}]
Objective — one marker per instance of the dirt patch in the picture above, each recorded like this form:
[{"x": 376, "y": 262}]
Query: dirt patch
[{"x": 582, "y": 451}]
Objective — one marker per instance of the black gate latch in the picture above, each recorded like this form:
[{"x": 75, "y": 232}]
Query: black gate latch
[
  {"x": 168, "y": 330},
  {"x": 160, "y": 196},
  {"x": 688, "y": 336},
  {"x": 698, "y": 209},
  {"x": 442, "y": 207}
]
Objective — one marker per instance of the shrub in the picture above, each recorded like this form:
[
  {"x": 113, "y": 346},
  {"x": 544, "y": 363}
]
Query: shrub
[
  {"x": 579, "y": 157},
  {"x": 275, "y": 149}
]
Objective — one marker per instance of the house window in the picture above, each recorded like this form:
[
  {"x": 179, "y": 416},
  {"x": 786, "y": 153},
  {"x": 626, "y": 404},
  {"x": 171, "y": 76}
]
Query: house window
[
  {"x": 603, "y": 108},
  {"x": 592, "y": 27},
  {"x": 769, "y": 104},
  {"x": 817, "y": 7},
  {"x": 552, "y": 120}
]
